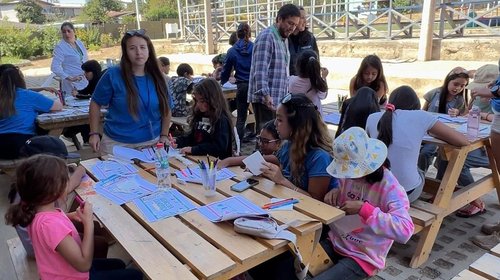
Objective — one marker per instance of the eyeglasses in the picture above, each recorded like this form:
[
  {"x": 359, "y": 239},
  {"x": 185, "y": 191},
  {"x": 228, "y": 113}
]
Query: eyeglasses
[
  {"x": 288, "y": 97},
  {"x": 136, "y": 32},
  {"x": 265, "y": 141}
]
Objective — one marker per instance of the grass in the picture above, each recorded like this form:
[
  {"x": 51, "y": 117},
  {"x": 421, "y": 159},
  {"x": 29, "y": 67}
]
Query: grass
[{"x": 9, "y": 60}]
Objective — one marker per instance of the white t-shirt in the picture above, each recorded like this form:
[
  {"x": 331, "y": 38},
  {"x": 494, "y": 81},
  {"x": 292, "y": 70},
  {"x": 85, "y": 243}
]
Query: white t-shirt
[
  {"x": 408, "y": 130},
  {"x": 297, "y": 84}
]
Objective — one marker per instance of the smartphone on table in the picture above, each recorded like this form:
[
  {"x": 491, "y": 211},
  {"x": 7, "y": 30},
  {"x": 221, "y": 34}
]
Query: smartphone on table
[{"x": 243, "y": 185}]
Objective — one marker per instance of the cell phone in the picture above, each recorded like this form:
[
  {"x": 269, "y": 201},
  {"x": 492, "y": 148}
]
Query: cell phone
[{"x": 243, "y": 185}]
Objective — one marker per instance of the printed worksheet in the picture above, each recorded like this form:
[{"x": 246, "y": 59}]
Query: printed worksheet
[
  {"x": 193, "y": 174},
  {"x": 122, "y": 189},
  {"x": 333, "y": 118},
  {"x": 163, "y": 204},
  {"x": 107, "y": 168},
  {"x": 230, "y": 209}
]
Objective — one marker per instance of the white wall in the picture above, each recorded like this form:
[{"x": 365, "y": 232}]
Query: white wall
[{"x": 8, "y": 12}]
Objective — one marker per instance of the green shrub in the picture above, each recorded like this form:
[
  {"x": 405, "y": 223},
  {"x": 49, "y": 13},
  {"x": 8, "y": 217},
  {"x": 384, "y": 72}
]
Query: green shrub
[
  {"x": 107, "y": 40},
  {"x": 89, "y": 36},
  {"x": 50, "y": 37},
  {"x": 20, "y": 43}
]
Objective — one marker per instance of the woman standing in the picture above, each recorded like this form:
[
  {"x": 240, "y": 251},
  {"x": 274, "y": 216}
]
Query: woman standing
[
  {"x": 69, "y": 55},
  {"x": 136, "y": 93}
]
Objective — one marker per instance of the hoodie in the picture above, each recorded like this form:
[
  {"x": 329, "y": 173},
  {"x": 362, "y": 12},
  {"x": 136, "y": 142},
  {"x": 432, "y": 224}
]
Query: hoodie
[{"x": 239, "y": 58}]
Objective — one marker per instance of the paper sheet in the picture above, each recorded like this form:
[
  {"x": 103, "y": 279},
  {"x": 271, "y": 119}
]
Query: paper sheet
[
  {"x": 333, "y": 118},
  {"x": 195, "y": 177},
  {"x": 122, "y": 189},
  {"x": 163, "y": 204},
  {"x": 108, "y": 168},
  {"x": 230, "y": 208},
  {"x": 484, "y": 129},
  {"x": 254, "y": 162},
  {"x": 128, "y": 154},
  {"x": 448, "y": 119},
  {"x": 228, "y": 85}
]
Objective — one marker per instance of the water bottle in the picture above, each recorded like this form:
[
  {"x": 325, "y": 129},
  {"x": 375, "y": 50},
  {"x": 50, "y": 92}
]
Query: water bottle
[
  {"x": 473, "y": 123},
  {"x": 162, "y": 168}
]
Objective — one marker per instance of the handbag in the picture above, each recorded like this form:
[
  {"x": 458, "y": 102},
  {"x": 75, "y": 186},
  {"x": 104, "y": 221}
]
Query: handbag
[{"x": 268, "y": 228}]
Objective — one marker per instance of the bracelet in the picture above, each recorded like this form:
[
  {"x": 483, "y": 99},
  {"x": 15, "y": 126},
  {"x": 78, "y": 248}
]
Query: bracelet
[
  {"x": 95, "y": 133},
  {"x": 161, "y": 135}
]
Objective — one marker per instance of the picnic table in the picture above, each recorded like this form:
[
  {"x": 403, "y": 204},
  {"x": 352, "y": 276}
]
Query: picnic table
[
  {"x": 447, "y": 200},
  {"x": 189, "y": 246}
]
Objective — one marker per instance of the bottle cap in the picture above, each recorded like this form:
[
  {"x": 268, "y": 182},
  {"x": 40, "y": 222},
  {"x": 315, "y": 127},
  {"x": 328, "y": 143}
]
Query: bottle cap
[{"x": 160, "y": 145}]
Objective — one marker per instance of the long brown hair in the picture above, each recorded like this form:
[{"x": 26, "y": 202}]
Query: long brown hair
[
  {"x": 456, "y": 73},
  {"x": 308, "y": 132},
  {"x": 374, "y": 62},
  {"x": 10, "y": 79},
  {"x": 41, "y": 179},
  {"x": 151, "y": 68}
]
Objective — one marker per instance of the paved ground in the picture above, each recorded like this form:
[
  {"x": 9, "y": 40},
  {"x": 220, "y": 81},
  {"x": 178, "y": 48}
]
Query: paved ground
[{"x": 452, "y": 251}]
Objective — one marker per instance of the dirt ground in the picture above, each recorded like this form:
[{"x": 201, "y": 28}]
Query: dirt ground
[{"x": 102, "y": 54}]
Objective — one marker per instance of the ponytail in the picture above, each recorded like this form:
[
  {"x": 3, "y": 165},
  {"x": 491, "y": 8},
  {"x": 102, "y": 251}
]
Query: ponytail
[
  {"x": 314, "y": 69},
  {"x": 20, "y": 214},
  {"x": 385, "y": 128}
]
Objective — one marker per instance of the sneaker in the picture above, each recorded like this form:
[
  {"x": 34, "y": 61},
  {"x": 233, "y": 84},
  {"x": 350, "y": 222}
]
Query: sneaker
[
  {"x": 486, "y": 242},
  {"x": 490, "y": 228}
]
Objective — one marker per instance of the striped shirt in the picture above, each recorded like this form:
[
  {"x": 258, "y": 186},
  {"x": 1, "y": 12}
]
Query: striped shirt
[{"x": 269, "y": 70}]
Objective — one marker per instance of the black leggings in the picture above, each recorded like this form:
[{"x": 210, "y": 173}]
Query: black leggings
[{"x": 11, "y": 143}]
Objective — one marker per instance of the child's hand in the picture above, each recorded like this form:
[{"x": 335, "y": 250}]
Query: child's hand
[
  {"x": 222, "y": 164},
  {"x": 324, "y": 72},
  {"x": 86, "y": 214},
  {"x": 453, "y": 112},
  {"x": 185, "y": 150},
  {"x": 272, "y": 172},
  {"x": 331, "y": 197},
  {"x": 352, "y": 207},
  {"x": 74, "y": 216}
]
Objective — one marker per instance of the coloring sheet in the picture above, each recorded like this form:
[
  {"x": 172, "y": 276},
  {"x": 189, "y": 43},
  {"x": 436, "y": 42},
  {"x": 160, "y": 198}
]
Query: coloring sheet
[
  {"x": 122, "y": 189},
  {"x": 231, "y": 208},
  {"x": 163, "y": 204}
]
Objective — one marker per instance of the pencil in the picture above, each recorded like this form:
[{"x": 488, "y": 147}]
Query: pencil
[
  {"x": 189, "y": 169},
  {"x": 278, "y": 203}
]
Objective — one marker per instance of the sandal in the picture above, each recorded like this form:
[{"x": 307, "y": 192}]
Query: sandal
[{"x": 472, "y": 209}]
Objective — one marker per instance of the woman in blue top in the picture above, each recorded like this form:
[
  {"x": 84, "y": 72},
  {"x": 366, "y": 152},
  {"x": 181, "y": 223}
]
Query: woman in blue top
[
  {"x": 19, "y": 108},
  {"x": 307, "y": 151},
  {"x": 139, "y": 106}
]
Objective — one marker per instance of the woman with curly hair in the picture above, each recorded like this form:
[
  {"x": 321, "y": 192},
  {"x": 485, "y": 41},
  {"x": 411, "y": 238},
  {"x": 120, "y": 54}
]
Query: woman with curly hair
[{"x": 307, "y": 150}]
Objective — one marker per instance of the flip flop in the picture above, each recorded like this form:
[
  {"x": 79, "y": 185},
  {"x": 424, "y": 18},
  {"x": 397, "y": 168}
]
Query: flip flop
[{"x": 471, "y": 210}]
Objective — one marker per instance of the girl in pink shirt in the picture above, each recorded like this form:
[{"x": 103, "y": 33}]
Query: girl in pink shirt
[
  {"x": 375, "y": 203},
  {"x": 59, "y": 251}
]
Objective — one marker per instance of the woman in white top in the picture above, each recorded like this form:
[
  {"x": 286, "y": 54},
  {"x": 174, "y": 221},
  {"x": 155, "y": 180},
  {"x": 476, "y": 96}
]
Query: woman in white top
[
  {"x": 69, "y": 55},
  {"x": 403, "y": 140}
]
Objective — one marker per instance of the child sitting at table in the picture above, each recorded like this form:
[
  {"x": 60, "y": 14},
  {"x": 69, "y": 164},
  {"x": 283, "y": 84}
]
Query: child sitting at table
[
  {"x": 178, "y": 87},
  {"x": 375, "y": 205},
  {"x": 355, "y": 110},
  {"x": 370, "y": 74},
  {"x": 19, "y": 108},
  {"x": 269, "y": 143},
  {"x": 211, "y": 128},
  {"x": 59, "y": 250}
]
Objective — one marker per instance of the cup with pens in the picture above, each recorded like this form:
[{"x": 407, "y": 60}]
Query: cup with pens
[{"x": 208, "y": 177}]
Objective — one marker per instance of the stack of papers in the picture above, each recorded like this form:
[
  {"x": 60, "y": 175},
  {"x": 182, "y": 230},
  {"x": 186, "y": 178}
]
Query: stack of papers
[{"x": 108, "y": 168}]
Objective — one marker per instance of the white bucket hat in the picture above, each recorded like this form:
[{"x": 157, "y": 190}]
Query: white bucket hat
[{"x": 356, "y": 155}]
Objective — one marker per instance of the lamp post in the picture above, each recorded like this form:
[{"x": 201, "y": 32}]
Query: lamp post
[{"x": 137, "y": 16}]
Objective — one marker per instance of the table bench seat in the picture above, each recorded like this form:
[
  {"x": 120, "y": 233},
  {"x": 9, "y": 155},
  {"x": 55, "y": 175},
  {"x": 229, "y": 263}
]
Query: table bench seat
[
  {"x": 487, "y": 266},
  {"x": 423, "y": 213},
  {"x": 24, "y": 266}
]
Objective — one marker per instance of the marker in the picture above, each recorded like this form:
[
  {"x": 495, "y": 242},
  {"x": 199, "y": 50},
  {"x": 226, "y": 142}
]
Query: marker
[
  {"x": 184, "y": 173},
  {"x": 287, "y": 201},
  {"x": 80, "y": 201},
  {"x": 189, "y": 169}
]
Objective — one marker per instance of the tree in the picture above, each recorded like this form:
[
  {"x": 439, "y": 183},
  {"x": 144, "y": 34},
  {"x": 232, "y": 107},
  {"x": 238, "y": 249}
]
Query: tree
[
  {"x": 96, "y": 10},
  {"x": 160, "y": 9},
  {"x": 29, "y": 11}
]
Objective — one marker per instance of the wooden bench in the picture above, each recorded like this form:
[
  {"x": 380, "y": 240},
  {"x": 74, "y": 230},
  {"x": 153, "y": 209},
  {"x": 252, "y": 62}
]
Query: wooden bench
[
  {"x": 487, "y": 266},
  {"x": 423, "y": 214},
  {"x": 468, "y": 275},
  {"x": 24, "y": 266}
]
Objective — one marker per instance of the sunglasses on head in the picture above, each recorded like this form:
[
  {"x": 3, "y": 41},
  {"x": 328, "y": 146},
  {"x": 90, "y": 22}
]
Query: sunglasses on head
[
  {"x": 288, "y": 97},
  {"x": 136, "y": 32}
]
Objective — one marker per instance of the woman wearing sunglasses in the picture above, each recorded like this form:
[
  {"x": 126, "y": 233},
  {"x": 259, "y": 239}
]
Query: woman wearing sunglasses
[
  {"x": 136, "y": 93},
  {"x": 307, "y": 151},
  {"x": 269, "y": 143}
]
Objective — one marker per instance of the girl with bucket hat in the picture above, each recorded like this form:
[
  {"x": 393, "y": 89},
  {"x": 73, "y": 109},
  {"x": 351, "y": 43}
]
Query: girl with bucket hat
[{"x": 375, "y": 203}]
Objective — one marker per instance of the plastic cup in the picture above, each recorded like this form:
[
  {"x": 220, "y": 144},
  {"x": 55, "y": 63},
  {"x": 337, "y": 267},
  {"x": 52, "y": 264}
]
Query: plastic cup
[{"x": 208, "y": 180}]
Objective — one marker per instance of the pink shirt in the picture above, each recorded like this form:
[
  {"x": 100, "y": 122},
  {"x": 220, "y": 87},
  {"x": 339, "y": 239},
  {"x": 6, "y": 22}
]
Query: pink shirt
[
  {"x": 46, "y": 231},
  {"x": 297, "y": 84}
]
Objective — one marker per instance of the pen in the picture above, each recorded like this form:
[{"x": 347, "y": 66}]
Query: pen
[
  {"x": 184, "y": 173},
  {"x": 189, "y": 169},
  {"x": 80, "y": 201},
  {"x": 280, "y": 203}
]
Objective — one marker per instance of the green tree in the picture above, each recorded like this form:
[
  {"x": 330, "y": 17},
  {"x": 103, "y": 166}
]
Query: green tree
[
  {"x": 29, "y": 11},
  {"x": 160, "y": 9},
  {"x": 96, "y": 10}
]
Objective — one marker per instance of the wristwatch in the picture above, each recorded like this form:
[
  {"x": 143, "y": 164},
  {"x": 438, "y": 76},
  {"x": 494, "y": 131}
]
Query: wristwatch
[{"x": 494, "y": 91}]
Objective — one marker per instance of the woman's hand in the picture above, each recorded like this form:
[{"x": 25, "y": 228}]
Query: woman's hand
[
  {"x": 164, "y": 139},
  {"x": 86, "y": 214},
  {"x": 74, "y": 79},
  {"x": 186, "y": 150},
  {"x": 482, "y": 92},
  {"x": 331, "y": 197},
  {"x": 352, "y": 207},
  {"x": 272, "y": 172},
  {"x": 74, "y": 92},
  {"x": 95, "y": 142}
]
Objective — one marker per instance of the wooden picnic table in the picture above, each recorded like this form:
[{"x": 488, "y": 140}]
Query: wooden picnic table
[
  {"x": 191, "y": 245},
  {"x": 446, "y": 199}
]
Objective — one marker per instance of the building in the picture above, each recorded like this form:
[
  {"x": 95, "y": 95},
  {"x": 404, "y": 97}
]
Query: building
[{"x": 49, "y": 8}]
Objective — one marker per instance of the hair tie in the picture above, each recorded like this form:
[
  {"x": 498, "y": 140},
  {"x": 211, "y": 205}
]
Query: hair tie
[
  {"x": 312, "y": 58},
  {"x": 390, "y": 107}
]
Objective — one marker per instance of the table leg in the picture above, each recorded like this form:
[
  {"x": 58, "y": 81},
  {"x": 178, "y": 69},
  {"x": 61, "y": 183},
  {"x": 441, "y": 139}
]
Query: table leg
[
  {"x": 494, "y": 168},
  {"x": 308, "y": 245},
  {"x": 427, "y": 238}
]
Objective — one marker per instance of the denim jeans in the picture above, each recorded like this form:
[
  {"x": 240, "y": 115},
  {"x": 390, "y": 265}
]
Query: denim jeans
[
  {"x": 242, "y": 108},
  {"x": 262, "y": 115},
  {"x": 476, "y": 158},
  {"x": 112, "y": 269},
  {"x": 427, "y": 154},
  {"x": 344, "y": 268}
]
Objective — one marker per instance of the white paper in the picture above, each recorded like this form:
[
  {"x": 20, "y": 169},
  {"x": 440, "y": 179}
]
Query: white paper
[
  {"x": 348, "y": 224},
  {"x": 237, "y": 140},
  {"x": 228, "y": 85},
  {"x": 254, "y": 163},
  {"x": 288, "y": 207},
  {"x": 129, "y": 154}
]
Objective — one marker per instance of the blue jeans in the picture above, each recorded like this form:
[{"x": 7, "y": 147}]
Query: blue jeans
[
  {"x": 427, "y": 154},
  {"x": 476, "y": 158},
  {"x": 112, "y": 269},
  {"x": 345, "y": 268}
]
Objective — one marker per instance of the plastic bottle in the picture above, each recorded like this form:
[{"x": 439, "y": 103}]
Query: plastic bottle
[
  {"x": 473, "y": 123},
  {"x": 162, "y": 168}
]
